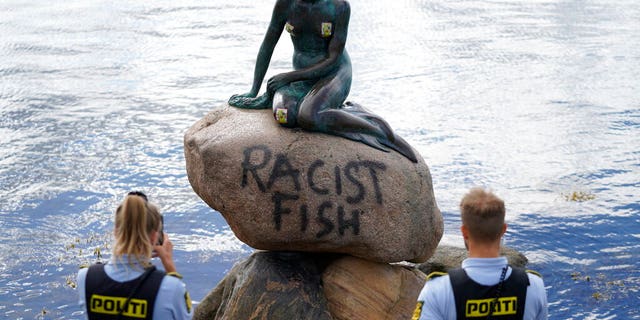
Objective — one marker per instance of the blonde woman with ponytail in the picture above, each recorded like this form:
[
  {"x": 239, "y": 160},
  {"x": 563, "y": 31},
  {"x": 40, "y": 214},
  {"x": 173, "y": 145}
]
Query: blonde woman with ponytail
[{"x": 129, "y": 286}]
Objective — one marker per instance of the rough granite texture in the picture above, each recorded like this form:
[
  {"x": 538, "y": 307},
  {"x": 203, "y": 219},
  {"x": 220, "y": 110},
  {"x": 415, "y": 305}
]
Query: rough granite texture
[{"x": 285, "y": 189}]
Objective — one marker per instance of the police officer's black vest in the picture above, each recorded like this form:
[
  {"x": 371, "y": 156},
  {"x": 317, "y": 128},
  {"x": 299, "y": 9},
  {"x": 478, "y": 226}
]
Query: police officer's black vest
[
  {"x": 474, "y": 301},
  {"x": 105, "y": 298}
]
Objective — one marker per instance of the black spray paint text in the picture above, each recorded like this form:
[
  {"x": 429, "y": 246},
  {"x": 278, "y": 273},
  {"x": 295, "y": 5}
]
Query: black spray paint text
[{"x": 347, "y": 183}]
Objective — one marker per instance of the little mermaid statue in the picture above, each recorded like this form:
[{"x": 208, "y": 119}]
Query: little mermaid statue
[{"x": 313, "y": 95}]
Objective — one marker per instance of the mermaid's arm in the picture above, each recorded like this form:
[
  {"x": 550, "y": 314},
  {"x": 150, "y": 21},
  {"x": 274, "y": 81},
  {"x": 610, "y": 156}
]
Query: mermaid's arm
[
  {"x": 278, "y": 20},
  {"x": 276, "y": 25}
]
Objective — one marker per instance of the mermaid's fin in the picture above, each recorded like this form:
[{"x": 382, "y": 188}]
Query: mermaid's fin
[
  {"x": 392, "y": 140},
  {"x": 364, "y": 138},
  {"x": 401, "y": 146}
]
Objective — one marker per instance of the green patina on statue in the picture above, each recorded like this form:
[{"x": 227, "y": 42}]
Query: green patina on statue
[{"x": 312, "y": 96}]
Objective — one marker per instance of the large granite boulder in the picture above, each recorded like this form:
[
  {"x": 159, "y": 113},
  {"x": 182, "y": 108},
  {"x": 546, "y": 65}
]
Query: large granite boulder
[
  {"x": 287, "y": 189},
  {"x": 279, "y": 285}
]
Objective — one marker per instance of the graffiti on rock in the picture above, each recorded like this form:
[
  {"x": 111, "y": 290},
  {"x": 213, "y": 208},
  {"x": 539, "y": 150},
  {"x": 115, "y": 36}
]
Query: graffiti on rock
[{"x": 342, "y": 189}]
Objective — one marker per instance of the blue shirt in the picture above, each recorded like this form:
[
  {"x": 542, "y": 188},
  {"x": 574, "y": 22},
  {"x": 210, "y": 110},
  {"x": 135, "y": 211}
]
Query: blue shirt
[
  {"x": 172, "y": 301},
  {"x": 439, "y": 303}
]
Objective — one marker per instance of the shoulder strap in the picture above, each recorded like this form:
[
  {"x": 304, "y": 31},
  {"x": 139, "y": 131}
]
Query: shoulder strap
[
  {"x": 94, "y": 277},
  {"x": 517, "y": 284},
  {"x": 462, "y": 286}
]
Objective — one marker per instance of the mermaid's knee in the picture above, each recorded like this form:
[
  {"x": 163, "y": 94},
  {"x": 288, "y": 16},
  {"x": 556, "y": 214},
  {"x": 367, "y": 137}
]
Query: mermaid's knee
[
  {"x": 307, "y": 118},
  {"x": 306, "y": 121}
]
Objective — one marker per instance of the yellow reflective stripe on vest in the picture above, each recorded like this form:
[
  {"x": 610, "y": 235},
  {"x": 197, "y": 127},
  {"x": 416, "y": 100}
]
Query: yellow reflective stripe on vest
[
  {"x": 534, "y": 273},
  {"x": 482, "y": 308},
  {"x": 418, "y": 311},
  {"x": 435, "y": 274},
  {"x": 136, "y": 308}
]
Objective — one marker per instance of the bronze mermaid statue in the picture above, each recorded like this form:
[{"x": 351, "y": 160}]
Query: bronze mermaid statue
[{"x": 313, "y": 95}]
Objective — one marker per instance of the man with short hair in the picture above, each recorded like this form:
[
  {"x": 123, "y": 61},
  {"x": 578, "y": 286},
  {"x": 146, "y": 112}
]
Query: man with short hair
[{"x": 486, "y": 286}]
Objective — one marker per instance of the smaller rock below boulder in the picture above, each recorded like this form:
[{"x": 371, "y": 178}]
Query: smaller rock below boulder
[
  {"x": 360, "y": 289},
  {"x": 296, "y": 285},
  {"x": 269, "y": 285}
]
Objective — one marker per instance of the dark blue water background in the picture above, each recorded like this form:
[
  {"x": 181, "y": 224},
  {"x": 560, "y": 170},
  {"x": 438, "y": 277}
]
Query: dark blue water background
[{"x": 538, "y": 100}]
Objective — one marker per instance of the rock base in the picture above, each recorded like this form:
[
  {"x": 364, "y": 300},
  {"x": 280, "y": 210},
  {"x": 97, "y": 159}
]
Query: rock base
[
  {"x": 295, "y": 285},
  {"x": 292, "y": 285}
]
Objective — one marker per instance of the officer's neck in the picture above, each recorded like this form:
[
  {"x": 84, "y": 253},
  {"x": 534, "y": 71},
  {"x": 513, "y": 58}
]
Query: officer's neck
[{"x": 483, "y": 250}]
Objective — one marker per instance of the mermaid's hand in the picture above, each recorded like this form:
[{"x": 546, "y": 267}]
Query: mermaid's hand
[
  {"x": 249, "y": 101},
  {"x": 278, "y": 81},
  {"x": 238, "y": 100}
]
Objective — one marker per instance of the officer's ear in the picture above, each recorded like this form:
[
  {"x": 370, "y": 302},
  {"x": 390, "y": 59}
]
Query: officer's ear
[
  {"x": 465, "y": 232},
  {"x": 504, "y": 230},
  {"x": 465, "y": 236}
]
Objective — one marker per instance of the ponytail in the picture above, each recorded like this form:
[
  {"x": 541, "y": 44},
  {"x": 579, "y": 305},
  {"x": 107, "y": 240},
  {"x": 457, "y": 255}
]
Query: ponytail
[{"x": 135, "y": 220}]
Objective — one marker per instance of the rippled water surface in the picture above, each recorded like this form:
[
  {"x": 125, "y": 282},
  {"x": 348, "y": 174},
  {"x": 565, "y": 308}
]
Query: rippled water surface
[{"x": 539, "y": 100}]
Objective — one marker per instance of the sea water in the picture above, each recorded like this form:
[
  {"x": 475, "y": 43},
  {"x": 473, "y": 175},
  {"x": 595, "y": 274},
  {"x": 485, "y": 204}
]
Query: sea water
[{"x": 537, "y": 100}]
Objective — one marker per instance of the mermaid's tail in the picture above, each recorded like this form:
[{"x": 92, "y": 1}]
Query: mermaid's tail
[
  {"x": 391, "y": 140},
  {"x": 402, "y": 147},
  {"x": 398, "y": 145}
]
